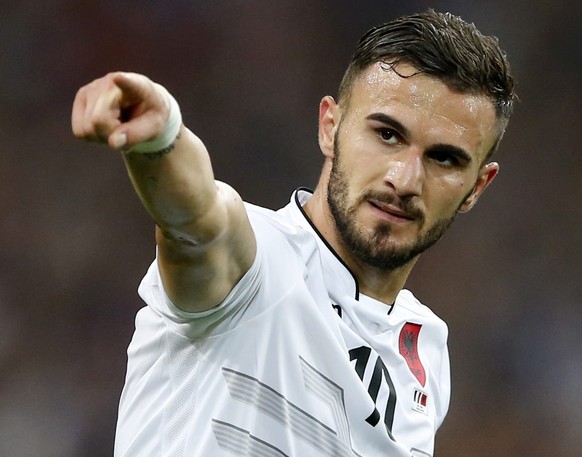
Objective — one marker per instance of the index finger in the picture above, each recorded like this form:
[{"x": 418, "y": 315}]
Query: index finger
[{"x": 134, "y": 87}]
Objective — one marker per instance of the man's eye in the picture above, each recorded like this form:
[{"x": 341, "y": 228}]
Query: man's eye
[
  {"x": 444, "y": 158},
  {"x": 389, "y": 136}
]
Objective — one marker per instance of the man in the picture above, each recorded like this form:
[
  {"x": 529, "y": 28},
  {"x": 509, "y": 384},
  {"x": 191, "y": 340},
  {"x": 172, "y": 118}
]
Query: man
[{"x": 289, "y": 333}]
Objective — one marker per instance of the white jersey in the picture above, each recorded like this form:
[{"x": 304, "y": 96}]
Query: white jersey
[{"x": 294, "y": 362}]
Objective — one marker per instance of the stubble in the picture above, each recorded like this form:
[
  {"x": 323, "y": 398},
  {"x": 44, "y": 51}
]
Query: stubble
[{"x": 374, "y": 247}]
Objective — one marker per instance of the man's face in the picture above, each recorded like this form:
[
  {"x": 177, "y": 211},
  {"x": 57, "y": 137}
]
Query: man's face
[{"x": 407, "y": 156}]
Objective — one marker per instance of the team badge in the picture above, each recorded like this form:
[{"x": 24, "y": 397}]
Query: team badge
[{"x": 408, "y": 347}]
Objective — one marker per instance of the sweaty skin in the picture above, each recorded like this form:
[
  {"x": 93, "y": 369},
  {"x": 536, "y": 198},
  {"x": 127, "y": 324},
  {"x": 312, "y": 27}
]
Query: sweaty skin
[
  {"x": 411, "y": 157},
  {"x": 405, "y": 154}
]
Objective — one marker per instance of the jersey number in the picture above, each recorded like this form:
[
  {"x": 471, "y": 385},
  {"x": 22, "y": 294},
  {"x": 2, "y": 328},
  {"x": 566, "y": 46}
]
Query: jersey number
[{"x": 380, "y": 374}]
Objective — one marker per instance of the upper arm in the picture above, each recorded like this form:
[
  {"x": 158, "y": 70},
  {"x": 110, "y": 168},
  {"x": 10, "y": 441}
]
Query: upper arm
[
  {"x": 205, "y": 240},
  {"x": 198, "y": 275}
]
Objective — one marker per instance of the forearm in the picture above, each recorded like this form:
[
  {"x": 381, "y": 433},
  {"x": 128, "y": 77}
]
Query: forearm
[
  {"x": 177, "y": 187},
  {"x": 205, "y": 240}
]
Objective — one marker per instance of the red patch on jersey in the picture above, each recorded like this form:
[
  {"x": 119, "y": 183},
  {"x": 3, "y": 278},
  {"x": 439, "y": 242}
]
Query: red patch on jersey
[{"x": 408, "y": 347}]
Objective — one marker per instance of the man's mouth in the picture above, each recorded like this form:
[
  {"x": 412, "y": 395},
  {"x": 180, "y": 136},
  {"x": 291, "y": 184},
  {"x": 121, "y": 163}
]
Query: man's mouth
[{"x": 394, "y": 212}]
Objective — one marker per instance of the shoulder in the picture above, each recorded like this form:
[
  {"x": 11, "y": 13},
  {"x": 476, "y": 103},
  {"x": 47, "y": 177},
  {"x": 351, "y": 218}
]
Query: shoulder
[
  {"x": 281, "y": 228},
  {"x": 259, "y": 215},
  {"x": 407, "y": 303}
]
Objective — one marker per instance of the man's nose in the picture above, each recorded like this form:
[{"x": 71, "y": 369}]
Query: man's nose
[{"x": 406, "y": 173}]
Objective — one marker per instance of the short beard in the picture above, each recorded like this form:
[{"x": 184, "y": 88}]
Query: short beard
[{"x": 374, "y": 250}]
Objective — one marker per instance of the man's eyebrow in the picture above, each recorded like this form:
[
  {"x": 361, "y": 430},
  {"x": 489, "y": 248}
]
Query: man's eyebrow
[
  {"x": 389, "y": 120},
  {"x": 441, "y": 147},
  {"x": 452, "y": 150}
]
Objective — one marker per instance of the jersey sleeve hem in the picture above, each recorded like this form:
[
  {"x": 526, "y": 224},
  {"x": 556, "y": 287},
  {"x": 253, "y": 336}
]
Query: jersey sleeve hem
[{"x": 196, "y": 324}]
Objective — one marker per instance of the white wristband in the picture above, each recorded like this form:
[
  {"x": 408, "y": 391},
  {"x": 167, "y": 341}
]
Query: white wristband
[{"x": 170, "y": 133}]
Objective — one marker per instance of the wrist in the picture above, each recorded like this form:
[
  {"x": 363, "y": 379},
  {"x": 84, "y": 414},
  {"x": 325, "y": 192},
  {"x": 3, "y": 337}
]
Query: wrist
[{"x": 164, "y": 142}]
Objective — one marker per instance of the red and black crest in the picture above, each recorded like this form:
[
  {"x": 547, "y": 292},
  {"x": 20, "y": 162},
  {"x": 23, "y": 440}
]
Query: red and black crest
[{"x": 408, "y": 347}]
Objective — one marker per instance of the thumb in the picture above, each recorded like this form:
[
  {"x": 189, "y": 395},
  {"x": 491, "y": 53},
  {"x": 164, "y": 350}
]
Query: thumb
[
  {"x": 140, "y": 129},
  {"x": 117, "y": 139}
]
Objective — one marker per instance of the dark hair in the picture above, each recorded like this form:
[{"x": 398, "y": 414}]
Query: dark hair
[{"x": 443, "y": 46}]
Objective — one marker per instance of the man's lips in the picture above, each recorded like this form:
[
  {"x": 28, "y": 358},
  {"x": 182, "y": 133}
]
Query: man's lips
[{"x": 392, "y": 210}]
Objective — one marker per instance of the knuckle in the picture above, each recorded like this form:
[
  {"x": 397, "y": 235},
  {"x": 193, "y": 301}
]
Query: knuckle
[
  {"x": 78, "y": 132},
  {"x": 99, "y": 127},
  {"x": 99, "y": 119}
]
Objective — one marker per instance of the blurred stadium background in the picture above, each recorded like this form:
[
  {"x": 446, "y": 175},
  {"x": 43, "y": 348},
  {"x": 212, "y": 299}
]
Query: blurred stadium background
[{"x": 249, "y": 75}]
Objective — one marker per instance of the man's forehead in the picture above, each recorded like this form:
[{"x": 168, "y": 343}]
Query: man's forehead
[{"x": 384, "y": 81}]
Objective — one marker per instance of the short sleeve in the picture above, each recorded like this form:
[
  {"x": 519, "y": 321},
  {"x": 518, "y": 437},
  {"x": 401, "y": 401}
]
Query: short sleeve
[{"x": 198, "y": 324}]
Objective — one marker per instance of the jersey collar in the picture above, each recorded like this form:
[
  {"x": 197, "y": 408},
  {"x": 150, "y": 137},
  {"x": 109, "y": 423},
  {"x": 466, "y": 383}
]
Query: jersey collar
[{"x": 339, "y": 278}]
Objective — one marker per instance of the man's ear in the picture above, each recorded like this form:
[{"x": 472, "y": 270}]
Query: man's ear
[
  {"x": 486, "y": 175},
  {"x": 329, "y": 116}
]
